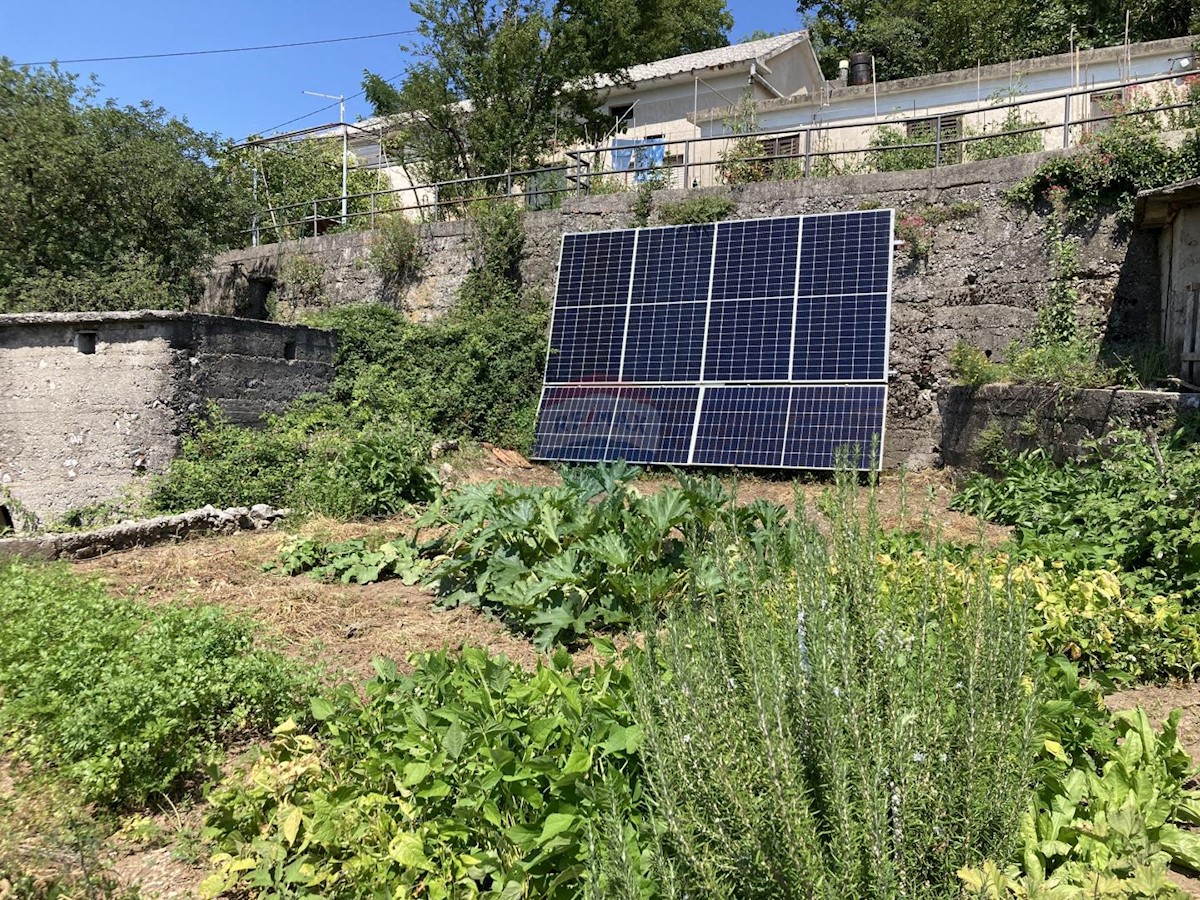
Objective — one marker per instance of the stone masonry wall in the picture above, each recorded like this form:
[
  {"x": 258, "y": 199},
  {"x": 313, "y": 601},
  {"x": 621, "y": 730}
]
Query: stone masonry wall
[
  {"x": 983, "y": 281},
  {"x": 979, "y": 421},
  {"x": 92, "y": 402}
]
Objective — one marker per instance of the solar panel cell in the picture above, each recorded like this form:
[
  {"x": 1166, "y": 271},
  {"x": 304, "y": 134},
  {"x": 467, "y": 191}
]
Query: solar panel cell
[
  {"x": 585, "y": 344},
  {"x": 664, "y": 342},
  {"x": 742, "y": 426},
  {"x": 832, "y": 425},
  {"x": 654, "y": 424},
  {"x": 673, "y": 264},
  {"x": 749, "y": 340},
  {"x": 756, "y": 258},
  {"x": 595, "y": 268}
]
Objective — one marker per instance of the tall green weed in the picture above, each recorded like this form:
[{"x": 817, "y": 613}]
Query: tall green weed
[{"x": 809, "y": 734}]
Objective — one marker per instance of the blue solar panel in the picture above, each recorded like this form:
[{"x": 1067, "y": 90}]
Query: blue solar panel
[
  {"x": 574, "y": 423},
  {"x": 654, "y": 425},
  {"x": 835, "y": 425},
  {"x": 742, "y": 426},
  {"x": 746, "y": 343},
  {"x": 595, "y": 269},
  {"x": 673, "y": 264},
  {"x": 585, "y": 344},
  {"x": 664, "y": 342},
  {"x": 842, "y": 338},
  {"x": 756, "y": 258},
  {"x": 846, "y": 253},
  {"x": 749, "y": 340}
]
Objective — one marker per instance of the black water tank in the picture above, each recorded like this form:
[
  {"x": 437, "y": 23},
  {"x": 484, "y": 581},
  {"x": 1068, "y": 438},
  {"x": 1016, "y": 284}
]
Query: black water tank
[{"x": 860, "y": 68}]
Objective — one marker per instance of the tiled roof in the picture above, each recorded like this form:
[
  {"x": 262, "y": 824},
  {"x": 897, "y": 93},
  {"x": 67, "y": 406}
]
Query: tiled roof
[{"x": 710, "y": 59}]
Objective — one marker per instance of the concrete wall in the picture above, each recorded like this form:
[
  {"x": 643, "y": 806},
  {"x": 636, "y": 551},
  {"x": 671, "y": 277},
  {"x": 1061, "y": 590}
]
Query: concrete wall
[
  {"x": 81, "y": 427},
  {"x": 983, "y": 282},
  {"x": 979, "y": 421}
]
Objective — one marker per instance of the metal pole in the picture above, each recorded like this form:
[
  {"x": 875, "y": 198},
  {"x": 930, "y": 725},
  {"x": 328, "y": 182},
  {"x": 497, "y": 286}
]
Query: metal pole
[
  {"x": 345, "y": 150},
  {"x": 1066, "y": 122},
  {"x": 808, "y": 151}
]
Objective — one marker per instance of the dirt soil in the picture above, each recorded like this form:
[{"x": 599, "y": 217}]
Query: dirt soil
[{"x": 342, "y": 628}]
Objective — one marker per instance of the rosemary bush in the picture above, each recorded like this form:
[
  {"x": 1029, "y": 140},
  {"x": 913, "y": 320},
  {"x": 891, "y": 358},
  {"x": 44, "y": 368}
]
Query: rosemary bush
[{"x": 814, "y": 728}]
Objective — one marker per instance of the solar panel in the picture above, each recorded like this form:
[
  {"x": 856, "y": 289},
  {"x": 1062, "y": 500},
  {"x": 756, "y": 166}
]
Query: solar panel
[{"x": 750, "y": 343}]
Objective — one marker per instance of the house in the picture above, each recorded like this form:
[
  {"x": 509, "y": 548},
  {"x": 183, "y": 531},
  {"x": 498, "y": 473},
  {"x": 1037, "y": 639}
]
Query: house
[
  {"x": 659, "y": 104},
  {"x": 1060, "y": 98}
]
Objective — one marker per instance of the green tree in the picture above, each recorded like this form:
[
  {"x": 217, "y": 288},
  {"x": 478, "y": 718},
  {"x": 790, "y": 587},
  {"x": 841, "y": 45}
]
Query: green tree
[
  {"x": 269, "y": 176},
  {"x": 499, "y": 84},
  {"x": 102, "y": 206},
  {"x": 918, "y": 37}
]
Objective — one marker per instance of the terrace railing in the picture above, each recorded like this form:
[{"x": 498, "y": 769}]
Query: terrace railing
[{"x": 802, "y": 151}]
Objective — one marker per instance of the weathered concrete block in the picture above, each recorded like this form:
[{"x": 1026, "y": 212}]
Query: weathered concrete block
[{"x": 91, "y": 403}]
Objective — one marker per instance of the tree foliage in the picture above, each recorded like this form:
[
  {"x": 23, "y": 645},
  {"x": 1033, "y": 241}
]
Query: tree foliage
[
  {"x": 269, "y": 176},
  {"x": 498, "y": 84},
  {"x": 101, "y": 206},
  {"x": 917, "y": 37}
]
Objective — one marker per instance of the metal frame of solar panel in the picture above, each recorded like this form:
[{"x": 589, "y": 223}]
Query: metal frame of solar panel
[{"x": 756, "y": 342}]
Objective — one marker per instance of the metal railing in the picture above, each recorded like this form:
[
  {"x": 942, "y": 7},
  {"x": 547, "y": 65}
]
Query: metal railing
[{"x": 706, "y": 161}]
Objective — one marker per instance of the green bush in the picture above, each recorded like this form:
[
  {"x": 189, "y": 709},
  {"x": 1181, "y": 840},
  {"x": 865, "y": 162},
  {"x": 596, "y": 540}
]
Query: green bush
[
  {"x": 124, "y": 700},
  {"x": 1075, "y": 363},
  {"x": 1127, "y": 157},
  {"x": 396, "y": 253},
  {"x": 697, "y": 210},
  {"x": 469, "y": 778},
  {"x": 227, "y": 465},
  {"x": 476, "y": 375},
  {"x": 808, "y": 734},
  {"x": 891, "y": 151},
  {"x": 992, "y": 143},
  {"x": 319, "y": 458}
]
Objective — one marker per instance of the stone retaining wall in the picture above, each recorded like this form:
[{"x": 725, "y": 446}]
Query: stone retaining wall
[{"x": 983, "y": 281}]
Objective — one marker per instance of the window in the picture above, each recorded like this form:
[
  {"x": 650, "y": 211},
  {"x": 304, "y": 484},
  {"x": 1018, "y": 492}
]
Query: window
[
  {"x": 622, "y": 114},
  {"x": 787, "y": 145},
  {"x": 938, "y": 130}
]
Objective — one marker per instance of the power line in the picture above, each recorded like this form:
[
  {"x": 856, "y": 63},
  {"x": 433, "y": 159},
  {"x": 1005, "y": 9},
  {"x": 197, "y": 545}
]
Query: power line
[{"x": 93, "y": 59}]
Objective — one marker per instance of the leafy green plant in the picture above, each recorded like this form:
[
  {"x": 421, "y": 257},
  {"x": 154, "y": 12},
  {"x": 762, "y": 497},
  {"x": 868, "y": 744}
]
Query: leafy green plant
[
  {"x": 471, "y": 777},
  {"x": 226, "y": 465},
  {"x": 992, "y": 142},
  {"x": 891, "y": 150},
  {"x": 1130, "y": 500},
  {"x": 697, "y": 210},
  {"x": 1125, "y": 158},
  {"x": 123, "y": 700},
  {"x": 318, "y": 458},
  {"x": 379, "y": 472},
  {"x": 561, "y": 562},
  {"x": 1107, "y": 815},
  {"x": 350, "y": 561},
  {"x": 396, "y": 253},
  {"x": 301, "y": 283}
]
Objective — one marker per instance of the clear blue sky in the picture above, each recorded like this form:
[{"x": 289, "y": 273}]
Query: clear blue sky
[{"x": 241, "y": 93}]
